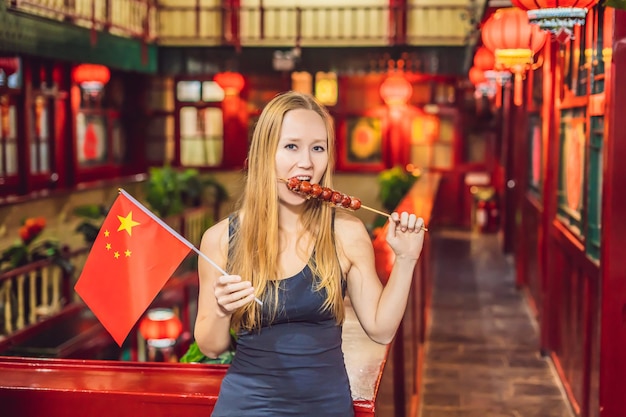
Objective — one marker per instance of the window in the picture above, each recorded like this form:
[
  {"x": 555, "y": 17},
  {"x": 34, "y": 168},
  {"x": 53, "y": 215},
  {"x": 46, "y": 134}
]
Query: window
[
  {"x": 200, "y": 123},
  {"x": 571, "y": 168},
  {"x": 8, "y": 140},
  {"x": 160, "y": 130},
  {"x": 201, "y": 136},
  {"x": 535, "y": 156},
  {"x": 432, "y": 140}
]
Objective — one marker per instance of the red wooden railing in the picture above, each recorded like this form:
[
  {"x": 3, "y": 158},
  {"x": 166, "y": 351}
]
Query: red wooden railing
[{"x": 408, "y": 346}]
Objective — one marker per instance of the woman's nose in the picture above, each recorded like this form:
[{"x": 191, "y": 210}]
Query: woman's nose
[{"x": 305, "y": 160}]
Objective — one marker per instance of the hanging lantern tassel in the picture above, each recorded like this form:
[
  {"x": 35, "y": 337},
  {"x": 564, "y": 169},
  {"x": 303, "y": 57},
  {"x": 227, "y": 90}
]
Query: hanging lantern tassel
[
  {"x": 518, "y": 61},
  {"x": 499, "y": 79},
  {"x": 518, "y": 87}
]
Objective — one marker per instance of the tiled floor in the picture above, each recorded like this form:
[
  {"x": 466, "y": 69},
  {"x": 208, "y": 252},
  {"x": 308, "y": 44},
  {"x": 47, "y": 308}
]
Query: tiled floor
[{"x": 482, "y": 357}]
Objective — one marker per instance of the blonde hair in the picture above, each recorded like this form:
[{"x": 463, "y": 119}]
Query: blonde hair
[{"x": 255, "y": 246}]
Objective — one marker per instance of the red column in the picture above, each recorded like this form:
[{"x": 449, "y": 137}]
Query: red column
[{"x": 613, "y": 310}]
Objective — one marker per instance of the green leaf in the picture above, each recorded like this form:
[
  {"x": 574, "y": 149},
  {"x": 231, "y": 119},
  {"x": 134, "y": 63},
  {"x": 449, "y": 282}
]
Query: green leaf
[{"x": 616, "y": 4}]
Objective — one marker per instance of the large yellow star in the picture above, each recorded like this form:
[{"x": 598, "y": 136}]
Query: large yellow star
[{"x": 127, "y": 223}]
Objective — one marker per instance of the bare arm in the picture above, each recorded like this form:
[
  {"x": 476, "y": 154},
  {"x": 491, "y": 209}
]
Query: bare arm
[
  {"x": 219, "y": 295},
  {"x": 380, "y": 309}
]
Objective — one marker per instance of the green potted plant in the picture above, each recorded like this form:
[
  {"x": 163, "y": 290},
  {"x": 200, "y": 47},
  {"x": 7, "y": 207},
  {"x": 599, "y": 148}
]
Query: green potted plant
[
  {"x": 393, "y": 184},
  {"x": 30, "y": 247},
  {"x": 169, "y": 191}
]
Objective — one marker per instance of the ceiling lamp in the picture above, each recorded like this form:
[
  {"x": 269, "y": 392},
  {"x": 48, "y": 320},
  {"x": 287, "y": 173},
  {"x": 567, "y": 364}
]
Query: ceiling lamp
[
  {"x": 514, "y": 42},
  {"x": 91, "y": 77},
  {"x": 231, "y": 82},
  {"x": 556, "y": 16}
]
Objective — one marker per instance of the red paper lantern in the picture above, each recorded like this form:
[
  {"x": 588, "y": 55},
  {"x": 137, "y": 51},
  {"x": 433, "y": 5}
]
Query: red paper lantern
[
  {"x": 91, "y": 77},
  {"x": 484, "y": 59},
  {"x": 556, "y": 16},
  {"x": 9, "y": 65},
  {"x": 396, "y": 90},
  {"x": 160, "y": 326},
  {"x": 509, "y": 28},
  {"x": 476, "y": 76},
  {"x": 231, "y": 82},
  {"x": 514, "y": 42}
]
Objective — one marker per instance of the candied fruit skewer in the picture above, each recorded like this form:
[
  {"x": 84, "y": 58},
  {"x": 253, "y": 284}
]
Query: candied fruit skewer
[{"x": 330, "y": 196}]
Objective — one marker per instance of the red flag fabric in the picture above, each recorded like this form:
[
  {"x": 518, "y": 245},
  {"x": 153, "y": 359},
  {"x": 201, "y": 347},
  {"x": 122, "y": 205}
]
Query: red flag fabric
[{"x": 132, "y": 258}]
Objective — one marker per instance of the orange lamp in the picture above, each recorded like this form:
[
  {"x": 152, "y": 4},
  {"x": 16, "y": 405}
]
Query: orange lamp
[
  {"x": 396, "y": 90},
  {"x": 91, "y": 77},
  {"x": 231, "y": 82},
  {"x": 160, "y": 327}
]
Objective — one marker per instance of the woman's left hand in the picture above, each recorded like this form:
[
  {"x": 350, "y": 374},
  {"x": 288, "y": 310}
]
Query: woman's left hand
[{"x": 405, "y": 235}]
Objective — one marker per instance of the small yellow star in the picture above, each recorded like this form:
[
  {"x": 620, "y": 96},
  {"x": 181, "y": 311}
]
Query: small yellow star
[
  {"x": 127, "y": 223},
  {"x": 116, "y": 255},
  {"x": 108, "y": 246},
  {"x": 127, "y": 253},
  {"x": 106, "y": 233}
]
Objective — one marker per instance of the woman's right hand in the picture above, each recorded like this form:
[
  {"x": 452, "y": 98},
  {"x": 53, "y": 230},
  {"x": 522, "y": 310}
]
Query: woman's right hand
[{"x": 231, "y": 293}]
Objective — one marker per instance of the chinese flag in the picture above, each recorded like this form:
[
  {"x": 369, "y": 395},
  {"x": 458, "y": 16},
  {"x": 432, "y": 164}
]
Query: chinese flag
[{"x": 132, "y": 258}]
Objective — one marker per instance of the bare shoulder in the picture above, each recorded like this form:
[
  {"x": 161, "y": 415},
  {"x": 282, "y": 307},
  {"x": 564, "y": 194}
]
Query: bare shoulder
[{"x": 349, "y": 228}]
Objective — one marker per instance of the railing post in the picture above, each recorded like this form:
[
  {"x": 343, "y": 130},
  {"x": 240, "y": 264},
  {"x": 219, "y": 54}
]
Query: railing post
[
  {"x": 298, "y": 26},
  {"x": 93, "y": 22},
  {"x": 109, "y": 16},
  {"x": 197, "y": 22},
  {"x": 261, "y": 20},
  {"x": 145, "y": 36}
]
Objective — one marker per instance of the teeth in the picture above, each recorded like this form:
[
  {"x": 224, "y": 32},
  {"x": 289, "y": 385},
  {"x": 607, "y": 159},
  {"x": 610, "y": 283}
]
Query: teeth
[{"x": 304, "y": 178}]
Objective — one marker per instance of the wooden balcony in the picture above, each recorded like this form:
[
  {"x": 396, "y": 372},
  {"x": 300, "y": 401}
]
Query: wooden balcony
[{"x": 268, "y": 23}]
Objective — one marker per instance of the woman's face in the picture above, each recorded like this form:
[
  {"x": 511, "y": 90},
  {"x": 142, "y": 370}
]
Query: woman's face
[{"x": 302, "y": 151}]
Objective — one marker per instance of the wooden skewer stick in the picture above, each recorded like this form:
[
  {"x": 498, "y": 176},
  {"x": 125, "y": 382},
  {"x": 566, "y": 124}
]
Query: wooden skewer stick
[{"x": 382, "y": 213}]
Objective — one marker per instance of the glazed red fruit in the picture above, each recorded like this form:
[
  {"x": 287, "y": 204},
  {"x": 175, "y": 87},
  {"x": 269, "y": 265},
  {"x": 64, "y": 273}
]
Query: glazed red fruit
[
  {"x": 346, "y": 201},
  {"x": 316, "y": 190},
  {"x": 327, "y": 194},
  {"x": 355, "y": 204},
  {"x": 336, "y": 197},
  {"x": 293, "y": 184},
  {"x": 305, "y": 187}
]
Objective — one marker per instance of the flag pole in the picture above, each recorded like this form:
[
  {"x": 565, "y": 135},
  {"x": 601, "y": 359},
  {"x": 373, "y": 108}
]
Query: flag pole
[{"x": 176, "y": 234}]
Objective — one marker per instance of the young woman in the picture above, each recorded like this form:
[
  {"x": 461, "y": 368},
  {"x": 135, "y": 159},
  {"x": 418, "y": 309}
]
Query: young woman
[{"x": 300, "y": 257}]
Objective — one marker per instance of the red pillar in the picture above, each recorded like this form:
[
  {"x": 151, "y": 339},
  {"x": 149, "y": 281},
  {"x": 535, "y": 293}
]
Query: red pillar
[{"x": 613, "y": 310}]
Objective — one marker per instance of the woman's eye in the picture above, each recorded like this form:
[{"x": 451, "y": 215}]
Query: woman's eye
[
  {"x": 319, "y": 148},
  {"x": 290, "y": 146}
]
